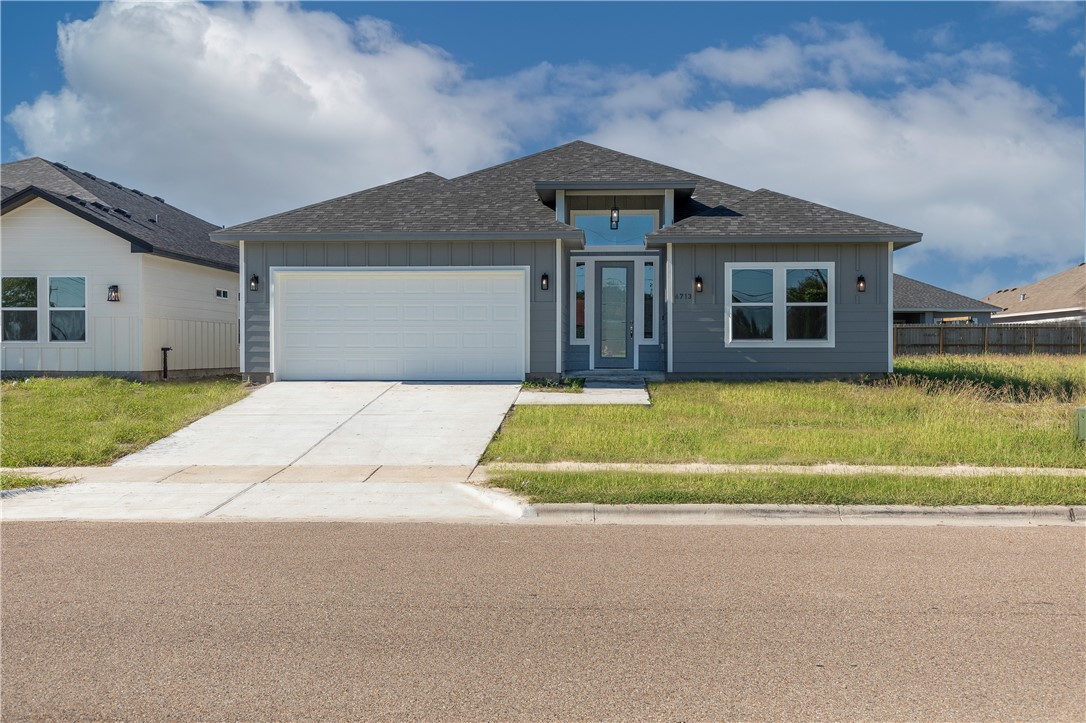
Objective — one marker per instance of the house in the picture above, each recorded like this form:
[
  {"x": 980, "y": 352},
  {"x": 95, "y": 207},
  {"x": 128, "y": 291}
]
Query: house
[
  {"x": 99, "y": 278},
  {"x": 918, "y": 303},
  {"x": 575, "y": 260},
  {"x": 1058, "y": 299}
]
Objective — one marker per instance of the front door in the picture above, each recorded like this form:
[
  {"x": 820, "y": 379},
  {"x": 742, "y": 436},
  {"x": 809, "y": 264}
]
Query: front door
[{"x": 614, "y": 315}]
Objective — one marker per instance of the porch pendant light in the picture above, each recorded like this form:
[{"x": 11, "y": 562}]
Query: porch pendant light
[
  {"x": 614, "y": 214},
  {"x": 254, "y": 283}
]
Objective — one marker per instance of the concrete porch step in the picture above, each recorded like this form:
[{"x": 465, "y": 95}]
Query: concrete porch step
[{"x": 615, "y": 376}]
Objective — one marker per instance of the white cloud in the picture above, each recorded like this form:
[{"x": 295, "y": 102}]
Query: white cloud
[
  {"x": 984, "y": 167},
  {"x": 1048, "y": 16},
  {"x": 263, "y": 107},
  {"x": 838, "y": 55},
  {"x": 235, "y": 111}
]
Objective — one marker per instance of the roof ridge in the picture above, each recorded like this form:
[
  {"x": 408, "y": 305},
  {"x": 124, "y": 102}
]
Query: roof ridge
[{"x": 524, "y": 158}]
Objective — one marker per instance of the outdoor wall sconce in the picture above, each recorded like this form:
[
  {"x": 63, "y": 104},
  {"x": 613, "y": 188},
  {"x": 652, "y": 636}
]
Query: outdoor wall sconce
[
  {"x": 254, "y": 283},
  {"x": 614, "y": 214},
  {"x": 113, "y": 293},
  {"x": 544, "y": 282},
  {"x": 861, "y": 284},
  {"x": 699, "y": 286}
]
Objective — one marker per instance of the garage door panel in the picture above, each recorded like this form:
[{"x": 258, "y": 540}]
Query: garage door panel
[{"x": 425, "y": 325}]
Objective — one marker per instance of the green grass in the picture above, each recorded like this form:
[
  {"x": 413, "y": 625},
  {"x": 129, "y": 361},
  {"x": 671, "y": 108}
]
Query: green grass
[
  {"x": 9, "y": 481},
  {"x": 95, "y": 420},
  {"x": 941, "y": 411},
  {"x": 570, "y": 386},
  {"x": 617, "y": 488}
]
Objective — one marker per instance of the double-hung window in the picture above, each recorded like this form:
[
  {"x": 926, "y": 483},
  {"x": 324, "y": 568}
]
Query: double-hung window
[
  {"x": 779, "y": 304},
  {"x": 67, "y": 308},
  {"x": 20, "y": 308}
]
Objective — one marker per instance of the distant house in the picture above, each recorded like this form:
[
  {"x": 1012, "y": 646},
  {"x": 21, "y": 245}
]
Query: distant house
[
  {"x": 98, "y": 278},
  {"x": 1057, "y": 299},
  {"x": 918, "y": 303}
]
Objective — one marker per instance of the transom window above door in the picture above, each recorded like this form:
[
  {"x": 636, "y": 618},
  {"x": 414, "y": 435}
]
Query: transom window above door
[{"x": 632, "y": 227}]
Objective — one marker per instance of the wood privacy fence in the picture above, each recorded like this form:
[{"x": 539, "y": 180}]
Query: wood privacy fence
[{"x": 988, "y": 339}]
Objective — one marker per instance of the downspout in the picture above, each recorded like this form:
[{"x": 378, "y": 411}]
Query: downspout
[
  {"x": 242, "y": 287},
  {"x": 670, "y": 311},
  {"x": 558, "y": 299},
  {"x": 890, "y": 305}
]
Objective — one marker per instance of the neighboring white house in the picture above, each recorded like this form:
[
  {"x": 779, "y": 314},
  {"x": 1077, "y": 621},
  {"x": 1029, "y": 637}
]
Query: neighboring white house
[
  {"x": 99, "y": 278},
  {"x": 1057, "y": 299}
]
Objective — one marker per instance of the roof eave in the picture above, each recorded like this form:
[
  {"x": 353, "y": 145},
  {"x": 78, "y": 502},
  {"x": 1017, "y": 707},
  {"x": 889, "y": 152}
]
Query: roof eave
[
  {"x": 899, "y": 241},
  {"x": 231, "y": 238},
  {"x": 139, "y": 245}
]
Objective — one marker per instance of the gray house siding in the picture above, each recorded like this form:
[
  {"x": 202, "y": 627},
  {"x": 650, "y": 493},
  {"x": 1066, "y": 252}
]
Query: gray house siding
[
  {"x": 538, "y": 256},
  {"x": 862, "y": 321}
]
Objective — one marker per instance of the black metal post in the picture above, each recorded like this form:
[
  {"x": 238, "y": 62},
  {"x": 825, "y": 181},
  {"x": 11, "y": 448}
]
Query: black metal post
[{"x": 165, "y": 361}]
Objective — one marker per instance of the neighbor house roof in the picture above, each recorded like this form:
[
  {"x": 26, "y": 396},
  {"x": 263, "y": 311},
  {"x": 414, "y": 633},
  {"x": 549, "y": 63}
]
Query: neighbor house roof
[
  {"x": 913, "y": 295},
  {"x": 515, "y": 200},
  {"x": 1063, "y": 291},
  {"x": 144, "y": 220}
]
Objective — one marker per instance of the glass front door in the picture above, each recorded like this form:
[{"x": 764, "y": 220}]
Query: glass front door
[{"x": 614, "y": 315}]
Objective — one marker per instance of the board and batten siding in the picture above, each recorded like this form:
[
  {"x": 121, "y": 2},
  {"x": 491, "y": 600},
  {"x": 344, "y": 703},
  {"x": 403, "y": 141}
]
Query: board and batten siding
[
  {"x": 42, "y": 240},
  {"x": 181, "y": 311},
  {"x": 862, "y": 322},
  {"x": 539, "y": 256}
]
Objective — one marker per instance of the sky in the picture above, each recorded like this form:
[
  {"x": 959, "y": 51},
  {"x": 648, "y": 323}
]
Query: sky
[{"x": 960, "y": 120}]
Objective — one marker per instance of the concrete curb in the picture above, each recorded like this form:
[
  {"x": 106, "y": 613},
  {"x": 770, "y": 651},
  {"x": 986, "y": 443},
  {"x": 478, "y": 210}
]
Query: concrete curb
[
  {"x": 822, "y": 469},
  {"x": 720, "y": 514},
  {"x": 496, "y": 499}
]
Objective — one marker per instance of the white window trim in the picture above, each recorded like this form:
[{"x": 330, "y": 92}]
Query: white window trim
[
  {"x": 36, "y": 309},
  {"x": 222, "y": 294},
  {"x": 780, "y": 306},
  {"x": 602, "y": 212},
  {"x": 50, "y": 309}
]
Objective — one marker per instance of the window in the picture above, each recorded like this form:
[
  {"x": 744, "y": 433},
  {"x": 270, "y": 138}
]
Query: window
[
  {"x": 779, "y": 304},
  {"x": 579, "y": 301},
  {"x": 20, "y": 308},
  {"x": 67, "y": 308},
  {"x": 222, "y": 294},
  {"x": 631, "y": 231},
  {"x": 650, "y": 302}
]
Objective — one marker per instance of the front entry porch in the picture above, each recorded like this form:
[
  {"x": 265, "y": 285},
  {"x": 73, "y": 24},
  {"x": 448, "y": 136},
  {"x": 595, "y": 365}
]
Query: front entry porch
[{"x": 615, "y": 325}]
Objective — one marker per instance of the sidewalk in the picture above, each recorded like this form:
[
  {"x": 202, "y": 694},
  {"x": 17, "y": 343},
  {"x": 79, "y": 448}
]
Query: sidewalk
[
  {"x": 259, "y": 493},
  {"x": 448, "y": 494}
]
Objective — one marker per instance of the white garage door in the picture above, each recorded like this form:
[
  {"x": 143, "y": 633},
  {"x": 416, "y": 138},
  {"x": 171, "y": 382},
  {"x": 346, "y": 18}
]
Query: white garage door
[{"x": 411, "y": 325}]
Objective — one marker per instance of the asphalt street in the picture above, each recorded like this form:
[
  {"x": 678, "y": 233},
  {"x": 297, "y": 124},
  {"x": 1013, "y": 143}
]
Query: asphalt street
[{"x": 298, "y": 621}]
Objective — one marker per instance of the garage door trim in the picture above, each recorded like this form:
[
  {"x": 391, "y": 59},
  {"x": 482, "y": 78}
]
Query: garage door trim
[{"x": 276, "y": 274}]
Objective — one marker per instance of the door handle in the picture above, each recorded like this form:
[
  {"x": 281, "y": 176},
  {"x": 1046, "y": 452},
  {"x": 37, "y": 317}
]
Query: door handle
[{"x": 631, "y": 331}]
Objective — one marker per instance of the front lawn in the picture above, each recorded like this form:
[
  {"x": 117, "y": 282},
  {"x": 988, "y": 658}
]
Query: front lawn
[
  {"x": 623, "y": 488},
  {"x": 95, "y": 420},
  {"x": 988, "y": 411}
]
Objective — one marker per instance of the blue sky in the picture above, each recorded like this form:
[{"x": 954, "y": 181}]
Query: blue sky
[{"x": 961, "y": 120}]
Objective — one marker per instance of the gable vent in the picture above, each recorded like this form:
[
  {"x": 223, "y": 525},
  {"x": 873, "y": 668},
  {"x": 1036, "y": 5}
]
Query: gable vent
[{"x": 160, "y": 199}]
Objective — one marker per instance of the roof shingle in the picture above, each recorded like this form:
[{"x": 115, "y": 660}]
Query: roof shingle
[
  {"x": 913, "y": 295},
  {"x": 147, "y": 220}
]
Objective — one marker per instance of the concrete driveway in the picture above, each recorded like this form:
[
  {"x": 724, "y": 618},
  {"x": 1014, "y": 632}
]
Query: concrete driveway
[{"x": 343, "y": 424}]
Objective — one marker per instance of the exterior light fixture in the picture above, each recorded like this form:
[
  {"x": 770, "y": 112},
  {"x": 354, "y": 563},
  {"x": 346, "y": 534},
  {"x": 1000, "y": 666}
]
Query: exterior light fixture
[
  {"x": 254, "y": 283},
  {"x": 113, "y": 293},
  {"x": 614, "y": 214},
  {"x": 544, "y": 282},
  {"x": 699, "y": 286},
  {"x": 861, "y": 284}
]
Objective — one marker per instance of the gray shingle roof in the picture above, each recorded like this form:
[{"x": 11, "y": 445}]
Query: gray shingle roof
[
  {"x": 1065, "y": 290},
  {"x": 503, "y": 199},
  {"x": 913, "y": 295},
  {"x": 123, "y": 211}
]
